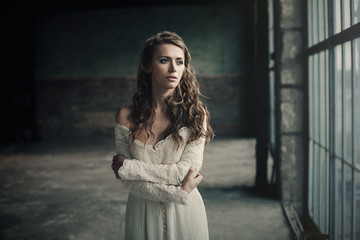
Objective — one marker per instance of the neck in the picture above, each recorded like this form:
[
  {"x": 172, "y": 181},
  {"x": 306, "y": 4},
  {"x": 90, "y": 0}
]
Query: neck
[{"x": 158, "y": 99}]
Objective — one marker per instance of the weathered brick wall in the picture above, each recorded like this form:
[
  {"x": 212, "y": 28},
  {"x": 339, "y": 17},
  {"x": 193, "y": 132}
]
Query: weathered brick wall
[
  {"x": 81, "y": 106},
  {"x": 291, "y": 92},
  {"x": 230, "y": 104},
  {"x": 86, "y": 63},
  {"x": 87, "y": 106}
]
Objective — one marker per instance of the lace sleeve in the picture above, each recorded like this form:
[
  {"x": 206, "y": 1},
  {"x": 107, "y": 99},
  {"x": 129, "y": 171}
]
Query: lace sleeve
[
  {"x": 145, "y": 189},
  {"x": 172, "y": 174}
]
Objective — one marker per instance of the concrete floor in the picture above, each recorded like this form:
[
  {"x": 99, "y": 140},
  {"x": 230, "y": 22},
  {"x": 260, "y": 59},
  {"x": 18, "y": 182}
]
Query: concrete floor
[{"x": 65, "y": 189}]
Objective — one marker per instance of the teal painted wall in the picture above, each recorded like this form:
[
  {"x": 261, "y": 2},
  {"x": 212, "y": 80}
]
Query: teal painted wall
[
  {"x": 86, "y": 63},
  {"x": 107, "y": 43}
]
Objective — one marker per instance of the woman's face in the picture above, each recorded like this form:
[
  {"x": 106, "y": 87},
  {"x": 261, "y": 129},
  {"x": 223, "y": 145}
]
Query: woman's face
[{"x": 167, "y": 66}]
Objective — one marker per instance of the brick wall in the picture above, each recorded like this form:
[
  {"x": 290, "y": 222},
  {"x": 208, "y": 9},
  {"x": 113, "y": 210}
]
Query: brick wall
[
  {"x": 86, "y": 63},
  {"x": 291, "y": 102},
  {"x": 87, "y": 106}
]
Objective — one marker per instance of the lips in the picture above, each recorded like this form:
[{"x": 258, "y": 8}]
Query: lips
[{"x": 172, "y": 78}]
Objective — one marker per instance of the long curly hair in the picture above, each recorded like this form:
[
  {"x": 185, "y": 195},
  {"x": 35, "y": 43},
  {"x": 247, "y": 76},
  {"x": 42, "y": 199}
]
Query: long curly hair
[{"x": 184, "y": 106}]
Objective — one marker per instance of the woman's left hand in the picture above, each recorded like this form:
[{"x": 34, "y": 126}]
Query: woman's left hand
[
  {"x": 117, "y": 162},
  {"x": 190, "y": 181}
]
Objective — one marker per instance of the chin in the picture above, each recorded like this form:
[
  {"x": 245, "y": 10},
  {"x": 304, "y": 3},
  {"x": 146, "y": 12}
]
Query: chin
[
  {"x": 172, "y": 85},
  {"x": 167, "y": 85}
]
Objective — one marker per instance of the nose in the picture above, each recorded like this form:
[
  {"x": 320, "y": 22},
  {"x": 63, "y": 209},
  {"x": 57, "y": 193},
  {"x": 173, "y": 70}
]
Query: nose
[{"x": 172, "y": 67}]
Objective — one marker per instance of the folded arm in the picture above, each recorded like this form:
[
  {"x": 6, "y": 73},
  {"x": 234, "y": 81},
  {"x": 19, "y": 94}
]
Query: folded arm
[
  {"x": 145, "y": 189},
  {"x": 172, "y": 174}
]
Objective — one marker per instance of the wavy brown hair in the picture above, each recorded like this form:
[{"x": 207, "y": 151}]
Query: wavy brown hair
[{"x": 184, "y": 107}]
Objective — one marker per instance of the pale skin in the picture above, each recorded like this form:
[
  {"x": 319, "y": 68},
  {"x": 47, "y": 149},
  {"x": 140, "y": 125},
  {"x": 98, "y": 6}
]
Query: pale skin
[{"x": 166, "y": 69}]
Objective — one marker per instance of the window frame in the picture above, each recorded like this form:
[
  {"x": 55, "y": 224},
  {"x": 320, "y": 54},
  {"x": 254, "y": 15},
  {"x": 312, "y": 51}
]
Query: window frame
[{"x": 312, "y": 49}]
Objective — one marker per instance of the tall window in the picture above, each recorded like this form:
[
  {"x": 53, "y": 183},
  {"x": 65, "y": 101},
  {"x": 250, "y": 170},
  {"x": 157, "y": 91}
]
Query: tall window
[
  {"x": 271, "y": 68},
  {"x": 333, "y": 56}
]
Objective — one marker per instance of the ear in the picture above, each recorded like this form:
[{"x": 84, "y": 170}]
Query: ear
[{"x": 148, "y": 69}]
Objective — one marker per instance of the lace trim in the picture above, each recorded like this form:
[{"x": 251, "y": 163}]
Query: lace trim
[{"x": 157, "y": 145}]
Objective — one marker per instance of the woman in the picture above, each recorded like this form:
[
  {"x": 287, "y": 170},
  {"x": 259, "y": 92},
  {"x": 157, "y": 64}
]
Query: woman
[{"x": 160, "y": 142}]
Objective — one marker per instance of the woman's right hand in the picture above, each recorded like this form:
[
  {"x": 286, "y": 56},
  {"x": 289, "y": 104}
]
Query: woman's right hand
[
  {"x": 190, "y": 182},
  {"x": 117, "y": 162}
]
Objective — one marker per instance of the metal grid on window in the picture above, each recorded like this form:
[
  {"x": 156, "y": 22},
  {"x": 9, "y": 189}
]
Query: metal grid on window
[
  {"x": 333, "y": 56},
  {"x": 319, "y": 109},
  {"x": 272, "y": 98},
  {"x": 345, "y": 14}
]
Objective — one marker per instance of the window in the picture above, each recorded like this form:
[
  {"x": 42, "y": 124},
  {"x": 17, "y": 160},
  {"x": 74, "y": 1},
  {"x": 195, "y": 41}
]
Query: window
[
  {"x": 272, "y": 86},
  {"x": 333, "y": 57}
]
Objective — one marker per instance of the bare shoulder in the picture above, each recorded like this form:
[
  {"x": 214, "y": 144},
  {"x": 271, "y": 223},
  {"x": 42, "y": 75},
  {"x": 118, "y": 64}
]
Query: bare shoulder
[{"x": 123, "y": 116}]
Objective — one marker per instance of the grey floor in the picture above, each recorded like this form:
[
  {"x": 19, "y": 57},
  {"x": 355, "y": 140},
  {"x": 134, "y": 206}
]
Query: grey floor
[{"x": 65, "y": 189}]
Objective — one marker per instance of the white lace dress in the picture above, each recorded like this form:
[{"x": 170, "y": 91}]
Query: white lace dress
[{"x": 157, "y": 208}]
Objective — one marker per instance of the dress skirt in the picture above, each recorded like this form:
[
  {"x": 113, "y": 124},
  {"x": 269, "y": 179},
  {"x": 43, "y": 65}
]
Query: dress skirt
[{"x": 153, "y": 220}]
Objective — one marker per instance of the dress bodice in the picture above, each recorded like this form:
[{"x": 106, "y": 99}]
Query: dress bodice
[{"x": 164, "y": 152}]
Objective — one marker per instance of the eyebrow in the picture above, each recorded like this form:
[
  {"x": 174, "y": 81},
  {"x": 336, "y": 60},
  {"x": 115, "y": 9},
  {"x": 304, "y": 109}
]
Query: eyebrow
[{"x": 170, "y": 57}]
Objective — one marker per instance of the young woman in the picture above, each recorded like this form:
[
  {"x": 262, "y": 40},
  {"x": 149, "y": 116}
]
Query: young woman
[{"x": 160, "y": 142}]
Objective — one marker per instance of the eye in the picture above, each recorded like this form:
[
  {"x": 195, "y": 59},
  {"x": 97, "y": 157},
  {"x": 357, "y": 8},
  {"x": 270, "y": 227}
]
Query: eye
[
  {"x": 163, "y": 60},
  {"x": 180, "y": 62}
]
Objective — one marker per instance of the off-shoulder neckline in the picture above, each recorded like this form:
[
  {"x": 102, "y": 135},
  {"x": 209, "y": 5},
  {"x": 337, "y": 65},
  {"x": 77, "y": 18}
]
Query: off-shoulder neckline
[{"x": 153, "y": 147}]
